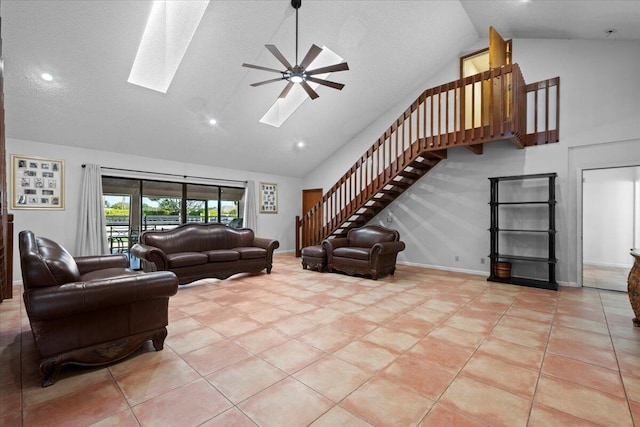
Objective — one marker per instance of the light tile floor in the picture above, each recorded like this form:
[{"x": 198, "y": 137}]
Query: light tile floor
[
  {"x": 298, "y": 348},
  {"x": 612, "y": 278}
]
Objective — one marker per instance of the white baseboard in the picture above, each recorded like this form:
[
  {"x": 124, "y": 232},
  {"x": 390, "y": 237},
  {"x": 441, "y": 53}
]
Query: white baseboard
[
  {"x": 570, "y": 284},
  {"x": 606, "y": 264},
  {"x": 440, "y": 267},
  {"x": 476, "y": 272}
]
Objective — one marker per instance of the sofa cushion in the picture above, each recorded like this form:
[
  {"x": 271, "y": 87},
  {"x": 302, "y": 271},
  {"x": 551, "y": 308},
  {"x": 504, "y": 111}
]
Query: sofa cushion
[
  {"x": 251, "y": 252},
  {"x": 186, "y": 259},
  {"x": 351, "y": 252},
  {"x": 220, "y": 255},
  {"x": 314, "y": 252}
]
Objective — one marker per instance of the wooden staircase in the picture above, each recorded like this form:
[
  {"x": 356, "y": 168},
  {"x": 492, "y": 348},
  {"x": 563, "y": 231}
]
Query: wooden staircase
[{"x": 486, "y": 107}]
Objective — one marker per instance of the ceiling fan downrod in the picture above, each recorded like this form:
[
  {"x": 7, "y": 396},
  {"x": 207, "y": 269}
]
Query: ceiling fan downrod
[
  {"x": 296, "y": 5},
  {"x": 298, "y": 73}
]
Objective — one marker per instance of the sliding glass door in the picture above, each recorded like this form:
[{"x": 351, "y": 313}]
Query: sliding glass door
[
  {"x": 122, "y": 210},
  {"x": 133, "y": 206},
  {"x": 162, "y": 207}
]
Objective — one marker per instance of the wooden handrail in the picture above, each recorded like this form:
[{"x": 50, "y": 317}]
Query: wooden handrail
[{"x": 474, "y": 110}]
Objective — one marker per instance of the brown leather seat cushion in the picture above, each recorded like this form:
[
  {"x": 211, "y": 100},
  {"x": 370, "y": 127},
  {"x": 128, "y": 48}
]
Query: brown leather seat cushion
[
  {"x": 354, "y": 253},
  {"x": 314, "y": 252},
  {"x": 251, "y": 252},
  {"x": 220, "y": 255},
  {"x": 186, "y": 259}
]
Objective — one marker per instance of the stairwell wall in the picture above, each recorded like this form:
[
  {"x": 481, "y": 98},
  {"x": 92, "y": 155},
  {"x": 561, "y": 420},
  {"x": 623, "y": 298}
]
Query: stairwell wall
[{"x": 444, "y": 217}]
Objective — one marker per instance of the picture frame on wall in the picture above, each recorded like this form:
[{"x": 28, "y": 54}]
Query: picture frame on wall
[
  {"x": 268, "y": 197},
  {"x": 37, "y": 183}
]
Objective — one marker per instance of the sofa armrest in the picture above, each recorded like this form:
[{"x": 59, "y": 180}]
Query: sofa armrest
[
  {"x": 91, "y": 263},
  {"x": 83, "y": 297},
  {"x": 268, "y": 244},
  {"x": 384, "y": 248},
  {"x": 330, "y": 245},
  {"x": 154, "y": 259}
]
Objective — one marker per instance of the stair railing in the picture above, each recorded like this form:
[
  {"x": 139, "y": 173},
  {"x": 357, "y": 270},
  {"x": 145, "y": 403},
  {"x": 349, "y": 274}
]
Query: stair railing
[{"x": 484, "y": 107}]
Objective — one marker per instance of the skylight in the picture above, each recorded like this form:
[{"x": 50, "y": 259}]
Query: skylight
[
  {"x": 282, "y": 109},
  {"x": 167, "y": 36}
]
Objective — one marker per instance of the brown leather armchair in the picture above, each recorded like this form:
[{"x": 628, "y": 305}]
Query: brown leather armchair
[
  {"x": 371, "y": 249},
  {"x": 89, "y": 310}
]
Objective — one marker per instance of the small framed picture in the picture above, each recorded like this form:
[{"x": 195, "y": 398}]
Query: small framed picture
[
  {"x": 268, "y": 197},
  {"x": 37, "y": 183}
]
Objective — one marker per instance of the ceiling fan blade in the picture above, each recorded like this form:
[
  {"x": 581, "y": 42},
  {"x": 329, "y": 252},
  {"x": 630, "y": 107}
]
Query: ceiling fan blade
[
  {"x": 274, "y": 50},
  {"x": 266, "y": 81},
  {"x": 313, "y": 53},
  {"x": 286, "y": 90},
  {"x": 312, "y": 93},
  {"x": 334, "y": 85},
  {"x": 258, "y": 67},
  {"x": 343, "y": 66}
]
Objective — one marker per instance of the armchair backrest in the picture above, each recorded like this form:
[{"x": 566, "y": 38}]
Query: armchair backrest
[
  {"x": 44, "y": 262},
  {"x": 369, "y": 235}
]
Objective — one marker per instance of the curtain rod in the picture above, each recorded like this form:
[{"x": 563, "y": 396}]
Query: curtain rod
[{"x": 171, "y": 174}]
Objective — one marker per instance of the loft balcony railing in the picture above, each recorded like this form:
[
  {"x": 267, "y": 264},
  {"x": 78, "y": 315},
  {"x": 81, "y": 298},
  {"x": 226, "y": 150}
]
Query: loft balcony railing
[{"x": 490, "y": 106}]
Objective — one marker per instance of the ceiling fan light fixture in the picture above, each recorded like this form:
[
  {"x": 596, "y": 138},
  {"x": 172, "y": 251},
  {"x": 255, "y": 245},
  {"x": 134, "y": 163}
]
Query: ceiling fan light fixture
[
  {"x": 302, "y": 72},
  {"x": 283, "y": 108}
]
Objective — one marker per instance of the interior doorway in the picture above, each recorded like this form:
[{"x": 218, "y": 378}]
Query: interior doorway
[
  {"x": 610, "y": 225},
  {"x": 310, "y": 198}
]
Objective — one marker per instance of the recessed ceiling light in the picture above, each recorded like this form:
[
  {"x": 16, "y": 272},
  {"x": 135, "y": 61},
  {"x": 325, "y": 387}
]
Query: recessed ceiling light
[
  {"x": 212, "y": 121},
  {"x": 46, "y": 77},
  {"x": 300, "y": 144}
]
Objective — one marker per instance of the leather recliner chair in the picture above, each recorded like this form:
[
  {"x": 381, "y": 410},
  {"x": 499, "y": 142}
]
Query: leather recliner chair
[
  {"x": 89, "y": 310},
  {"x": 371, "y": 250}
]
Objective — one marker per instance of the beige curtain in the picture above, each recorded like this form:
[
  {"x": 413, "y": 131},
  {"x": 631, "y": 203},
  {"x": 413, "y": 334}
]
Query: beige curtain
[
  {"x": 251, "y": 207},
  {"x": 92, "y": 230}
]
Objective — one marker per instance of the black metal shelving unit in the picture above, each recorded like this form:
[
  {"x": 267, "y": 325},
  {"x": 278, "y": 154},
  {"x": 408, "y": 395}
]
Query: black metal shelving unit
[{"x": 549, "y": 261}]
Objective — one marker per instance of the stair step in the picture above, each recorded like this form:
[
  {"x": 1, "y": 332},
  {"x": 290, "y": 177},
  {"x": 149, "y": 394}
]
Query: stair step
[
  {"x": 410, "y": 175},
  {"x": 372, "y": 210},
  {"x": 384, "y": 200},
  {"x": 401, "y": 184},
  {"x": 392, "y": 192},
  {"x": 421, "y": 165}
]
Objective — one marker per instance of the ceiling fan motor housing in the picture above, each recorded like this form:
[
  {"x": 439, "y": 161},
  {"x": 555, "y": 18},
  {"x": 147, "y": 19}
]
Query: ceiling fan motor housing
[{"x": 298, "y": 73}]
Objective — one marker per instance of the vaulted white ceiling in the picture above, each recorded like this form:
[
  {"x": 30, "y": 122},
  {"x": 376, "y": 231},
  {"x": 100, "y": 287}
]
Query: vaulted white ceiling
[{"x": 392, "y": 47}]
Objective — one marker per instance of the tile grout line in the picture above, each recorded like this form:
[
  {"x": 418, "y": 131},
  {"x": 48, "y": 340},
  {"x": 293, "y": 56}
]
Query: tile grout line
[{"x": 615, "y": 352}]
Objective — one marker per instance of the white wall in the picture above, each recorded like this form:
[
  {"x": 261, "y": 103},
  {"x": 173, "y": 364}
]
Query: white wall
[
  {"x": 61, "y": 226},
  {"x": 446, "y": 214},
  {"x": 608, "y": 216}
]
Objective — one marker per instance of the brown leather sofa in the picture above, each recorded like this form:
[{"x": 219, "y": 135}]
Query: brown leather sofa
[
  {"x": 370, "y": 250},
  {"x": 89, "y": 310},
  {"x": 199, "y": 251}
]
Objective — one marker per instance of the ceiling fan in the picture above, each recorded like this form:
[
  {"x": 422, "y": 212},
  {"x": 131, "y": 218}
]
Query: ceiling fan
[{"x": 299, "y": 73}]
